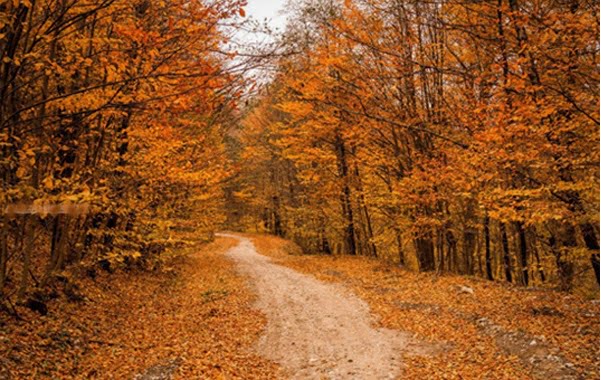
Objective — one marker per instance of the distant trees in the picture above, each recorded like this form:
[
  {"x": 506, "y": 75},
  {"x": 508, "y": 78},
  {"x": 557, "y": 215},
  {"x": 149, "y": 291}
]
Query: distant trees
[
  {"x": 115, "y": 104},
  {"x": 449, "y": 136}
]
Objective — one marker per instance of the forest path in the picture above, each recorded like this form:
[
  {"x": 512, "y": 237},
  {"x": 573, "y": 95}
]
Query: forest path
[{"x": 316, "y": 330}]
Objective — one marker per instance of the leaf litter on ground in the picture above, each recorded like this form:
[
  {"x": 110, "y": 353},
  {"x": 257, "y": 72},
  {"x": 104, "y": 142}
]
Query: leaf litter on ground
[
  {"x": 195, "y": 320},
  {"x": 489, "y": 330}
]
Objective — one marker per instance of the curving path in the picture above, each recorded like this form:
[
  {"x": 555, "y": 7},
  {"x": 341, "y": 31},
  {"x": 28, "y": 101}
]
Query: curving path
[{"x": 316, "y": 330}]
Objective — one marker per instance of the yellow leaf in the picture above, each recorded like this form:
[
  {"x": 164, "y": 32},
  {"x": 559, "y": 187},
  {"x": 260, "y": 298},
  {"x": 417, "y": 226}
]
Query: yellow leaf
[{"x": 48, "y": 183}]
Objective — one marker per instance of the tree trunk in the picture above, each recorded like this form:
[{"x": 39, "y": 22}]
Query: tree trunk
[
  {"x": 506, "y": 256},
  {"x": 367, "y": 226},
  {"x": 487, "y": 256},
  {"x": 523, "y": 253},
  {"x": 592, "y": 243},
  {"x": 3, "y": 251},
  {"x": 452, "y": 248},
  {"x": 277, "y": 220},
  {"x": 440, "y": 248},
  {"x": 399, "y": 242},
  {"x": 565, "y": 269},
  {"x": 424, "y": 248},
  {"x": 27, "y": 252},
  {"x": 469, "y": 246},
  {"x": 539, "y": 266},
  {"x": 345, "y": 198}
]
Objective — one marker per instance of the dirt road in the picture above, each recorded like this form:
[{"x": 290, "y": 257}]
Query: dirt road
[{"x": 316, "y": 330}]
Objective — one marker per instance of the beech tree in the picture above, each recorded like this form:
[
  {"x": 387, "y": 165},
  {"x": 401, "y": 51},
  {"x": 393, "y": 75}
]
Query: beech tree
[
  {"x": 114, "y": 110},
  {"x": 445, "y": 136}
]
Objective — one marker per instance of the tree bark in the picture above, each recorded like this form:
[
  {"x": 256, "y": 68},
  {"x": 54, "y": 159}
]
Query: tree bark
[
  {"x": 345, "y": 197},
  {"x": 506, "y": 256},
  {"x": 424, "y": 248},
  {"x": 27, "y": 252},
  {"x": 487, "y": 256},
  {"x": 523, "y": 253},
  {"x": 592, "y": 243}
]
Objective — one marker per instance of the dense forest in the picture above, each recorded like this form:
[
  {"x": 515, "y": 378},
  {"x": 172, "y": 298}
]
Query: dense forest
[
  {"x": 112, "y": 122},
  {"x": 411, "y": 189},
  {"x": 446, "y": 136}
]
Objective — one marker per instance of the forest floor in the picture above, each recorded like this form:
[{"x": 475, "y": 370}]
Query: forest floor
[
  {"x": 475, "y": 329},
  {"x": 223, "y": 311},
  {"x": 192, "y": 320}
]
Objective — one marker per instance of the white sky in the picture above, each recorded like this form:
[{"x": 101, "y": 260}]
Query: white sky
[
  {"x": 267, "y": 10},
  {"x": 259, "y": 14}
]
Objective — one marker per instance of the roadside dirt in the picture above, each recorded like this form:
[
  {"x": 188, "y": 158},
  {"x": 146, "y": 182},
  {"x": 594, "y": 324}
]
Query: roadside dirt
[{"x": 318, "y": 330}]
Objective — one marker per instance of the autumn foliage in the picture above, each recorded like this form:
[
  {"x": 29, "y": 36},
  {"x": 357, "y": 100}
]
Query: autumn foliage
[
  {"x": 447, "y": 136},
  {"x": 116, "y": 108},
  {"x": 454, "y": 137}
]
